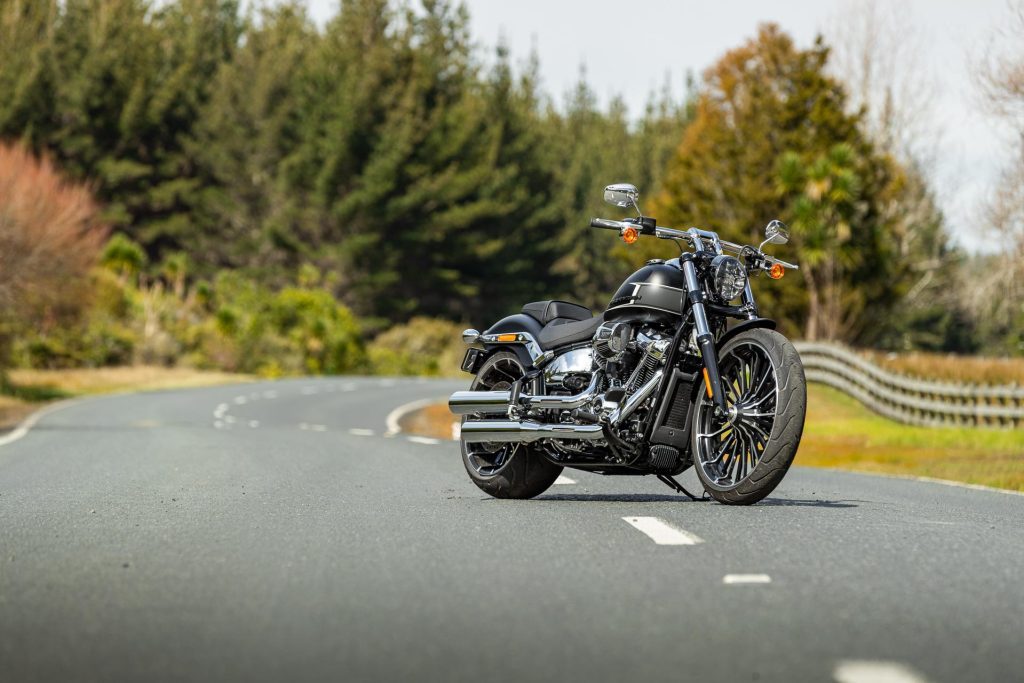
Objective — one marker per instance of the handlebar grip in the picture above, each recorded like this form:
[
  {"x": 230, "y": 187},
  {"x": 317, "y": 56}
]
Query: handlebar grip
[{"x": 604, "y": 223}]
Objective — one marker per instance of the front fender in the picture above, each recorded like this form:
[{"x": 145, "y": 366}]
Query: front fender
[{"x": 767, "y": 323}]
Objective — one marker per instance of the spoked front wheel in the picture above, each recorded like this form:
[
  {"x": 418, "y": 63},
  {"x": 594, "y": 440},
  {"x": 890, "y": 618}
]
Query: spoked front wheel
[{"x": 742, "y": 456}]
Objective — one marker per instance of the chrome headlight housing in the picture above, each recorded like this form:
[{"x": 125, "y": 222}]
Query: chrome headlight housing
[{"x": 729, "y": 276}]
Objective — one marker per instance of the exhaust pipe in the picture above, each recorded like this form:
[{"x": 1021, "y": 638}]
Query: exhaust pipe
[
  {"x": 469, "y": 402},
  {"x": 509, "y": 431}
]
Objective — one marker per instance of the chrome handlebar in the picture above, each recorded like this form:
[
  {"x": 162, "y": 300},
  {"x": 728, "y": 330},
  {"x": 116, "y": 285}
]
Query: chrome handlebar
[{"x": 695, "y": 236}]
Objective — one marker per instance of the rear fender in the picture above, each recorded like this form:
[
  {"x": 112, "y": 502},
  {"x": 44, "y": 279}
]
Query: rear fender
[{"x": 524, "y": 344}]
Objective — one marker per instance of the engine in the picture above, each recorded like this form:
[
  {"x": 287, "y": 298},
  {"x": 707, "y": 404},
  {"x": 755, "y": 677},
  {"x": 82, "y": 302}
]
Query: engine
[
  {"x": 629, "y": 354},
  {"x": 595, "y": 401}
]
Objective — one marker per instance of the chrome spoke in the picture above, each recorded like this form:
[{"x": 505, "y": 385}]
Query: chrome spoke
[{"x": 749, "y": 381}]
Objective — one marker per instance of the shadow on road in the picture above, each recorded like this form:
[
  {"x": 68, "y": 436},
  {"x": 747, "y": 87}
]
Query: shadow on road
[
  {"x": 616, "y": 498},
  {"x": 663, "y": 498},
  {"x": 793, "y": 502}
]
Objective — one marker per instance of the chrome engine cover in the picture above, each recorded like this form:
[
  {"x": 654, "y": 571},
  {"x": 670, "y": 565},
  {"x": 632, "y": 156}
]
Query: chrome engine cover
[
  {"x": 612, "y": 339},
  {"x": 575, "y": 362}
]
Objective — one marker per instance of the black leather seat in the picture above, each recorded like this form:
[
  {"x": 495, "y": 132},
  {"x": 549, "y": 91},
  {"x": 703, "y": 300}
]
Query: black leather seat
[
  {"x": 545, "y": 312},
  {"x": 560, "y": 333}
]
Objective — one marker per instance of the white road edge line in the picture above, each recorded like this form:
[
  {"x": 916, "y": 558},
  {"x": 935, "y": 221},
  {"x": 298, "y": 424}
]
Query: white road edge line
[
  {"x": 928, "y": 480},
  {"x": 867, "y": 671},
  {"x": 395, "y": 416},
  {"x": 424, "y": 440},
  {"x": 564, "y": 480},
  {"x": 29, "y": 422},
  {"x": 737, "y": 579},
  {"x": 663, "y": 533}
]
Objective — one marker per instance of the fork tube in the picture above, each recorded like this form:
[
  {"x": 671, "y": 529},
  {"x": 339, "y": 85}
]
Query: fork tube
[
  {"x": 748, "y": 301},
  {"x": 705, "y": 339}
]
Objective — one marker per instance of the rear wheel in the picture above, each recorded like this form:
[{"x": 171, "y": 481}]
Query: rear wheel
[
  {"x": 506, "y": 470},
  {"x": 741, "y": 457}
]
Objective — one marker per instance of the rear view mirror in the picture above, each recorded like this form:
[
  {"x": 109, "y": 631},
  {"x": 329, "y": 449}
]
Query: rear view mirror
[
  {"x": 776, "y": 232},
  {"x": 621, "y": 194}
]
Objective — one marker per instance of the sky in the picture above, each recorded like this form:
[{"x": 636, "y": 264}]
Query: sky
[{"x": 633, "y": 48}]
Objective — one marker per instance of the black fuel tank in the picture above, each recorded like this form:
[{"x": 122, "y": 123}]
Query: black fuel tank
[{"x": 653, "y": 293}]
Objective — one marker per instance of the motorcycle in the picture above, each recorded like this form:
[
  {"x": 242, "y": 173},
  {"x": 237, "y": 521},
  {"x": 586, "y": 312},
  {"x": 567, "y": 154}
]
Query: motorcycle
[{"x": 654, "y": 385}]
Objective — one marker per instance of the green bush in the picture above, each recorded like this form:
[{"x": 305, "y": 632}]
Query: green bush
[{"x": 423, "y": 346}]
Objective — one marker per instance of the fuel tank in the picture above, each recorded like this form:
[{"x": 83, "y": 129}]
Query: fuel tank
[{"x": 654, "y": 293}]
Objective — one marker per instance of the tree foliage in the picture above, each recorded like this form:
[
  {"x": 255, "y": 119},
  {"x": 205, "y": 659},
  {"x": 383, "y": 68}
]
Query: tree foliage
[{"x": 772, "y": 138}]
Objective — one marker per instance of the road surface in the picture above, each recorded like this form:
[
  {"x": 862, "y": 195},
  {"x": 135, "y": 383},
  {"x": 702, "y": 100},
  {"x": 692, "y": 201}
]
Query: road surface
[{"x": 275, "y": 531}]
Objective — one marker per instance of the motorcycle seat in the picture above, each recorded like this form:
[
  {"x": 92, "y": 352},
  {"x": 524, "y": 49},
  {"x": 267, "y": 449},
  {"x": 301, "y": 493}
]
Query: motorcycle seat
[
  {"x": 561, "y": 332},
  {"x": 546, "y": 312}
]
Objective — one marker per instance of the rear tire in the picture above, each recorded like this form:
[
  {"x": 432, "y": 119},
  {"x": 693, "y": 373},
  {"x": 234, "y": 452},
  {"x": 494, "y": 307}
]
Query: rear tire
[
  {"x": 776, "y": 412},
  {"x": 522, "y": 471}
]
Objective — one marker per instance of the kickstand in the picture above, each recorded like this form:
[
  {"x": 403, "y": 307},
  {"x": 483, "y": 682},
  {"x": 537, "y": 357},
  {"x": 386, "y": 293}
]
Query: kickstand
[{"x": 670, "y": 482}]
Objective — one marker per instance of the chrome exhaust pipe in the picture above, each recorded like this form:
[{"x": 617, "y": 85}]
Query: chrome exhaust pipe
[
  {"x": 469, "y": 402},
  {"x": 509, "y": 431}
]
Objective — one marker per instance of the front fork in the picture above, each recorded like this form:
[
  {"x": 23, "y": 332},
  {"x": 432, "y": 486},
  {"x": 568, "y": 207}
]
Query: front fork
[{"x": 705, "y": 338}]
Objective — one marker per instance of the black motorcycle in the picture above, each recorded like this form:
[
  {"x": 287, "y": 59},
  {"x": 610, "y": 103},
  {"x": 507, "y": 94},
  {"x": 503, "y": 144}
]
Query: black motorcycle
[{"x": 656, "y": 384}]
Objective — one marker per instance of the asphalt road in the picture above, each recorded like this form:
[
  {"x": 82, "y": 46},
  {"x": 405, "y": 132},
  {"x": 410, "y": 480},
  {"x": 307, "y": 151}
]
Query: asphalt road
[{"x": 274, "y": 531}]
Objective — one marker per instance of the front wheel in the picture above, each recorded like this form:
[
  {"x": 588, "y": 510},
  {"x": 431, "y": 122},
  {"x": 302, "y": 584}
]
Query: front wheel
[
  {"x": 506, "y": 470},
  {"x": 742, "y": 456}
]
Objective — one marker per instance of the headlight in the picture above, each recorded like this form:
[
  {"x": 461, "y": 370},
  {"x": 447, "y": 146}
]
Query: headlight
[{"x": 730, "y": 277}]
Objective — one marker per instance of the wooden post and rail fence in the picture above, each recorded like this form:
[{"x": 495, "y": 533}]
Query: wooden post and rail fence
[{"x": 910, "y": 400}]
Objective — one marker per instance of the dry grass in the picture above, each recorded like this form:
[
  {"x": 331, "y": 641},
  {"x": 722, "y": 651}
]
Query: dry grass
[
  {"x": 109, "y": 380},
  {"x": 434, "y": 421},
  {"x": 34, "y": 388},
  {"x": 948, "y": 367},
  {"x": 842, "y": 434}
]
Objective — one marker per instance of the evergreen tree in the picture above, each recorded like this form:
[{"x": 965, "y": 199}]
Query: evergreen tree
[{"x": 247, "y": 128}]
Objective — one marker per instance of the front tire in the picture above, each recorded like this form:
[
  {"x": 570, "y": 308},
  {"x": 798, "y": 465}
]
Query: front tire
[
  {"x": 742, "y": 457},
  {"x": 506, "y": 470}
]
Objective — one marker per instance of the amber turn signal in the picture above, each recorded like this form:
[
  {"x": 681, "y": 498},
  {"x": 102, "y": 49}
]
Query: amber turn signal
[
  {"x": 507, "y": 337},
  {"x": 707, "y": 382},
  {"x": 776, "y": 271},
  {"x": 630, "y": 235}
]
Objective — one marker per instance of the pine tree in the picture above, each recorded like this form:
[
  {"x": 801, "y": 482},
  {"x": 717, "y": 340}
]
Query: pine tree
[{"x": 243, "y": 133}]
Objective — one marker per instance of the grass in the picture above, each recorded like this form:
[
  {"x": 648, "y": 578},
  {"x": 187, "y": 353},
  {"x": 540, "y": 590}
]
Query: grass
[
  {"x": 843, "y": 434},
  {"x": 25, "y": 390},
  {"x": 840, "y": 433}
]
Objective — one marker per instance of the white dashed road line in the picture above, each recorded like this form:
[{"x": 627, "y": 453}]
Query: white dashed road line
[
  {"x": 254, "y": 423},
  {"x": 663, "y": 533},
  {"x": 866, "y": 671},
  {"x": 739, "y": 579},
  {"x": 564, "y": 480},
  {"x": 424, "y": 440},
  {"x": 361, "y": 432},
  {"x": 318, "y": 428},
  {"x": 241, "y": 400}
]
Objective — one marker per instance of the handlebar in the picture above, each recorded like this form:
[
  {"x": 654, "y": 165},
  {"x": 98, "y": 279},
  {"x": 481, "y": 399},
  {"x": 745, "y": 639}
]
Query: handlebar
[
  {"x": 606, "y": 224},
  {"x": 694, "y": 236}
]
